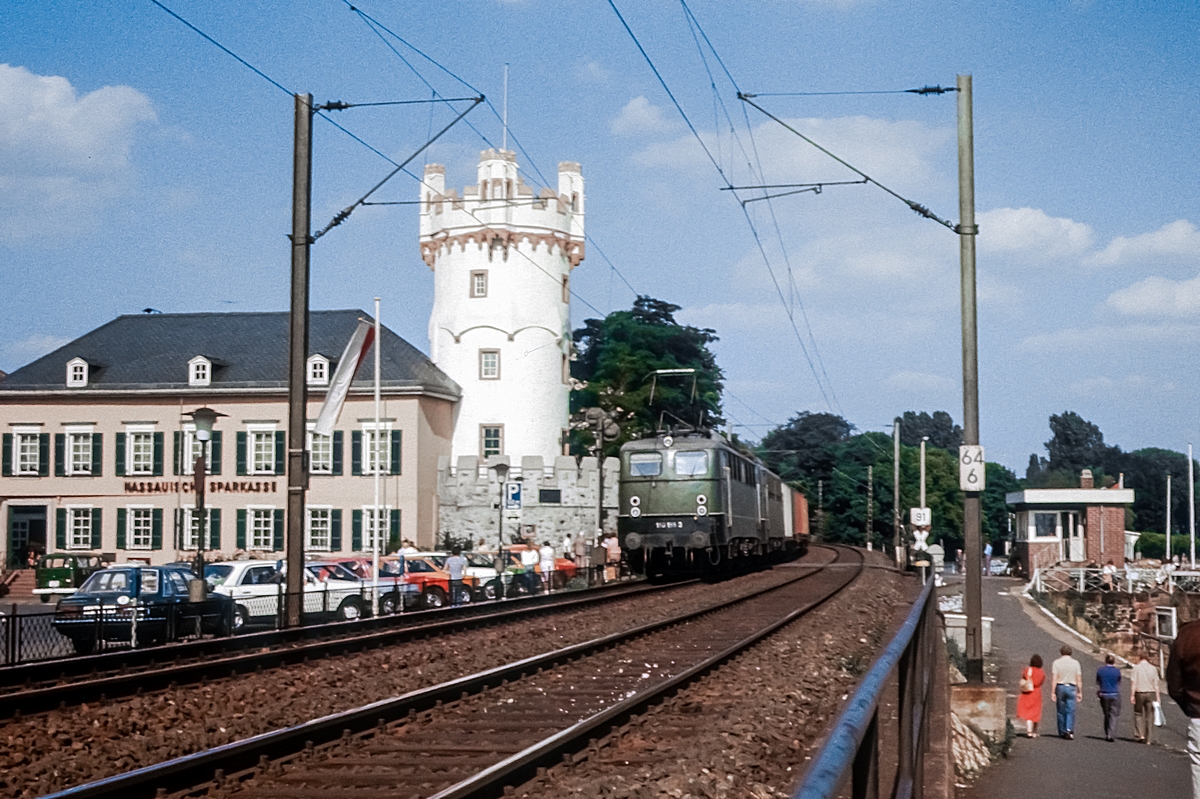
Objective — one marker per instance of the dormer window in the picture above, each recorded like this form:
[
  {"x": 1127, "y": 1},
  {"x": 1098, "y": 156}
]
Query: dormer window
[
  {"x": 199, "y": 371},
  {"x": 77, "y": 373},
  {"x": 318, "y": 370}
]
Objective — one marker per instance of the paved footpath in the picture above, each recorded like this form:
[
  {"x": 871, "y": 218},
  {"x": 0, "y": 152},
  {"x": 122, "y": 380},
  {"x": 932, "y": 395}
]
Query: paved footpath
[{"x": 1088, "y": 767}]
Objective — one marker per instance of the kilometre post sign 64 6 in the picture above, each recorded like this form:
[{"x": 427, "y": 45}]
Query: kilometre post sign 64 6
[{"x": 971, "y": 467}]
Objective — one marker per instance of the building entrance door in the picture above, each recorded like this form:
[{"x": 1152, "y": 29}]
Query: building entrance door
[
  {"x": 26, "y": 530},
  {"x": 1075, "y": 538}
]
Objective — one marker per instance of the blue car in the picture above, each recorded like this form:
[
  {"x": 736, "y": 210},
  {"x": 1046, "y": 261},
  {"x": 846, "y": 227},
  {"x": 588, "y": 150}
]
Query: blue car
[{"x": 109, "y": 602}]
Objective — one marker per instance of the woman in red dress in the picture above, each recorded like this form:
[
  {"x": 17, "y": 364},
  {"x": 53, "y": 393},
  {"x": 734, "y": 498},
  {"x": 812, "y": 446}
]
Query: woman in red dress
[{"x": 1029, "y": 702}]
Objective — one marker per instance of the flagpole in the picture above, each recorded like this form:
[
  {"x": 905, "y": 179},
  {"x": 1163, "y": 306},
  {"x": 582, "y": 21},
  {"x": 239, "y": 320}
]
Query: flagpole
[{"x": 377, "y": 530}]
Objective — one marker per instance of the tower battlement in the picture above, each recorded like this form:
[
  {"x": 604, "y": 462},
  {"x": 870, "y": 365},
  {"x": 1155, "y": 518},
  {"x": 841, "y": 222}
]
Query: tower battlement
[{"x": 500, "y": 210}]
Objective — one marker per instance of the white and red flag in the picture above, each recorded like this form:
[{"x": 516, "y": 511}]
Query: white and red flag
[{"x": 339, "y": 384}]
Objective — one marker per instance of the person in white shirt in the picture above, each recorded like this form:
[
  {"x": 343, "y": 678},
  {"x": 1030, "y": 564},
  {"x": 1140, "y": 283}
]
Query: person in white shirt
[
  {"x": 613, "y": 546},
  {"x": 456, "y": 565},
  {"x": 529, "y": 562},
  {"x": 1145, "y": 692},
  {"x": 546, "y": 553},
  {"x": 1067, "y": 678}
]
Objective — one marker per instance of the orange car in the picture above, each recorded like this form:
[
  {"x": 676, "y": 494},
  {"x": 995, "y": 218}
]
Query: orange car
[
  {"x": 564, "y": 568},
  {"x": 433, "y": 582}
]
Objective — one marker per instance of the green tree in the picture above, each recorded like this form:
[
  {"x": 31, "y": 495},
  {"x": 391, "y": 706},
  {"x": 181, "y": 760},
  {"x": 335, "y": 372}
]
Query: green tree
[
  {"x": 1000, "y": 481},
  {"x": 616, "y": 358},
  {"x": 940, "y": 428},
  {"x": 801, "y": 450}
]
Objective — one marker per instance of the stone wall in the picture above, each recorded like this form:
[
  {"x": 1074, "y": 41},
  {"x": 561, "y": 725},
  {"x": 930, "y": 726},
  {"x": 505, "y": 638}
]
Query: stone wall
[
  {"x": 1114, "y": 619},
  {"x": 469, "y": 499}
]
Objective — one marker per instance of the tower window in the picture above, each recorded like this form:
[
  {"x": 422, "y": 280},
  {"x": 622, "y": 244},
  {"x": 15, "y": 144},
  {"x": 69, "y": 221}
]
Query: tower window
[
  {"x": 489, "y": 364},
  {"x": 566, "y": 283},
  {"x": 491, "y": 439},
  {"x": 479, "y": 283}
]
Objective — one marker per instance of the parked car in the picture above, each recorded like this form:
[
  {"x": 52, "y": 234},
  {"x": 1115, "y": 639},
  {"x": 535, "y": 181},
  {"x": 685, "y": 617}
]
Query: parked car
[
  {"x": 393, "y": 586},
  {"x": 107, "y": 604},
  {"x": 564, "y": 568},
  {"x": 481, "y": 567},
  {"x": 420, "y": 569},
  {"x": 256, "y": 587},
  {"x": 61, "y": 574}
]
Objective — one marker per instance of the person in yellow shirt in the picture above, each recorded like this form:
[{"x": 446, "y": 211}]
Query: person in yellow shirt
[{"x": 1067, "y": 677}]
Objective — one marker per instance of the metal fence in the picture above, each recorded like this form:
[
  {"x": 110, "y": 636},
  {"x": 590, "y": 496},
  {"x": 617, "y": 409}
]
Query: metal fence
[
  {"x": 852, "y": 751},
  {"x": 1130, "y": 580}
]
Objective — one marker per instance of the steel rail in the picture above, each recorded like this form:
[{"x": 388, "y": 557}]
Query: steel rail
[
  {"x": 158, "y": 672},
  {"x": 195, "y": 771}
]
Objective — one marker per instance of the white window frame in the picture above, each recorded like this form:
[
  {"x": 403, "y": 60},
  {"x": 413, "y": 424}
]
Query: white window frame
[
  {"x": 1059, "y": 530},
  {"x": 76, "y": 435},
  {"x": 368, "y": 460},
  {"x": 77, "y": 373},
  {"x": 32, "y": 467},
  {"x": 368, "y": 527},
  {"x": 131, "y": 541},
  {"x": 483, "y": 439},
  {"x": 191, "y": 449},
  {"x": 325, "y": 464},
  {"x": 325, "y": 513},
  {"x": 253, "y": 432},
  {"x": 200, "y": 371},
  {"x": 79, "y": 526},
  {"x": 485, "y": 373},
  {"x": 479, "y": 278},
  {"x": 130, "y": 448},
  {"x": 252, "y": 532},
  {"x": 317, "y": 370}
]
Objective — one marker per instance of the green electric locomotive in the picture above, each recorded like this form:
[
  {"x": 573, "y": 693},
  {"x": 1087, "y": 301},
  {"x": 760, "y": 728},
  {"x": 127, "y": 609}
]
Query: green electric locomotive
[{"x": 690, "y": 502}]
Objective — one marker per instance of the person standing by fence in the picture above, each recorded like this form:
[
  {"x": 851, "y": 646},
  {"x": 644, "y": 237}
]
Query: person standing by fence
[
  {"x": 1067, "y": 676},
  {"x": 546, "y": 556},
  {"x": 456, "y": 565},
  {"x": 1144, "y": 693},
  {"x": 1183, "y": 684},
  {"x": 1029, "y": 703},
  {"x": 1108, "y": 689}
]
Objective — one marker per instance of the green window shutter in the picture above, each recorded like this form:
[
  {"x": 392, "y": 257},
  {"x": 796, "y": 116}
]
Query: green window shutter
[
  {"x": 241, "y": 453},
  {"x": 280, "y": 452},
  {"x": 356, "y": 531},
  {"x": 214, "y": 449},
  {"x": 43, "y": 454},
  {"x": 97, "y": 454},
  {"x": 60, "y": 529},
  {"x": 395, "y": 452},
  {"x": 277, "y": 539},
  {"x": 241, "y": 527},
  {"x": 177, "y": 448},
  {"x": 97, "y": 538},
  {"x": 60, "y": 455},
  {"x": 178, "y": 517},
  {"x": 119, "y": 462},
  {"x": 7, "y": 456},
  {"x": 158, "y": 454},
  {"x": 356, "y": 452},
  {"x": 394, "y": 531},
  {"x": 335, "y": 530},
  {"x": 156, "y": 530},
  {"x": 214, "y": 529},
  {"x": 121, "y": 522},
  {"x": 338, "y": 435}
]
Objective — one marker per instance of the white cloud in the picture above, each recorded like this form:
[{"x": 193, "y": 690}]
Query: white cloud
[
  {"x": 593, "y": 71},
  {"x": 1158, "y": 296},
  {"x": 640, "y": 116},
  {"x": 1177, "y": 240},
  {"x": 919, "y": 382},
  {"x": 30, "y": 349},
  {"x": 1078, "y": 342},
  {"x": 1033, "y": 234},
  {"x": 62, "y": 156}
]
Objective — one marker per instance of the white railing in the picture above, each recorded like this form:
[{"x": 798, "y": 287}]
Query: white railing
[{"x": 1130, "y": 580}]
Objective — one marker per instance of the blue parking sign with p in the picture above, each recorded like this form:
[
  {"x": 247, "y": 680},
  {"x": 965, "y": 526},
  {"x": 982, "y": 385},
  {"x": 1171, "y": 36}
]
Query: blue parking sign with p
[{"x": 512, "y": 496}]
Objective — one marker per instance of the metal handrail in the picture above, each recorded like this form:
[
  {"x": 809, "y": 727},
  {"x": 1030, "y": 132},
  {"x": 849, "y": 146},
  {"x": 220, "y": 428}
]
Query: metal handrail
[
  {"x": 1060, "y": 579},
  {"x": 852, "y": 749}
]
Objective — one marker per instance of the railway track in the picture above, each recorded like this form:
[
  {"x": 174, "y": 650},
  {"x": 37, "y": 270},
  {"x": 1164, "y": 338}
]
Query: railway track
[
  {"x": 474, "y": 735},
  {"x": 30, "y": 688}
]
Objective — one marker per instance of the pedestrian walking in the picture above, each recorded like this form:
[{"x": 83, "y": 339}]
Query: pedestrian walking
[
  {"x": 1067, "y": 676},
  {"x": 1108, "y": 689},
  {"x": 1144, "y": 694},
  {"x": 456, "y": 565},
  {"x": 1029, "y": 703},
  {"x": 583, "y": 548},
  {"x": 1183, "y": 685},
  {"x": 987, "y": 559},
  {"x": 546, "y": 555}
]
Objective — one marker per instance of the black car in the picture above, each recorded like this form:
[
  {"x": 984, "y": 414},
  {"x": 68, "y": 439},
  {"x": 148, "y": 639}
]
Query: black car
[{"x": 104, "y": 608}]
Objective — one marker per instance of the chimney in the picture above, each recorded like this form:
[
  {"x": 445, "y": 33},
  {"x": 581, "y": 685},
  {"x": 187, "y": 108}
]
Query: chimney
[{"x": 1085, "y": 479}]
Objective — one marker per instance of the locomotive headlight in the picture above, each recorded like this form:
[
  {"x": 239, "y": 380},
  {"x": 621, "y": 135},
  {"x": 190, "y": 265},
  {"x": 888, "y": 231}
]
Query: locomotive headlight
[
  {"x": 635, "y": 511},
  {"x": 635, "y": 501},
  {"x": 701, "y": 510},
  {"x": 633, "y": 541},
  {"x": 701, "y": 499}
]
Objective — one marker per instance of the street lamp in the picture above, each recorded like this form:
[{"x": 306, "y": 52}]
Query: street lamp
[
  {"x": 501, "y": 567},
  {"x": 203, "y": 419}
]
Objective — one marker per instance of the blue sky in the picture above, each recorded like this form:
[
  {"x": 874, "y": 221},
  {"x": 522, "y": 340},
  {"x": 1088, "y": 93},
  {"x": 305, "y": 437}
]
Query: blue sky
[{"x": 142, "y": 167}]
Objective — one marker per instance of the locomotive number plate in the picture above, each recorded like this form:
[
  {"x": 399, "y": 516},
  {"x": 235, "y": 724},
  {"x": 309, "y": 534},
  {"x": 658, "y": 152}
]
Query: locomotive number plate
[{"x": 668, "y": 525}]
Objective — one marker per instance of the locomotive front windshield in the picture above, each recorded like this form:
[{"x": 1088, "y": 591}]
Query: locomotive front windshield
[
  {"x": 691, "y": 463},
  {"x": 645, "y": 464}
]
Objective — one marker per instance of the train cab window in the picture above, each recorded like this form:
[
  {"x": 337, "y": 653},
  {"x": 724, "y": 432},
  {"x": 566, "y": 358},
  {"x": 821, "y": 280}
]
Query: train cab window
[
  {"x": 645, "y": 464},
  {"x": 690, "y": 464}
]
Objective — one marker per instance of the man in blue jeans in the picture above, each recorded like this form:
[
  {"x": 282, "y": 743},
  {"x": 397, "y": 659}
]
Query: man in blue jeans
[
  {"x": 1108, "y": 689},
  {"x": 1067, "y": 679}
]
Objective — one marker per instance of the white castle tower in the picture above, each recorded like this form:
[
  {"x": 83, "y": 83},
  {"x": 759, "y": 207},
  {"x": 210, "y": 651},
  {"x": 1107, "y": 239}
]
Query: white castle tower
[{"x": 500, "y": 325}]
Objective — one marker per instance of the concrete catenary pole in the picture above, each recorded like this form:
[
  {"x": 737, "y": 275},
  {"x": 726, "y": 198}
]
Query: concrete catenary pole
[
  {"x": 972, "y": 506},
  {"x": 1191, "y": 506},
  {"x": 1168, "y": 556},
  {"x": 923, "y": 440},
  {"x": 297, "y": 460},
  {"x": 870, "y": 503},
  {"x": 897, "y": 527}
]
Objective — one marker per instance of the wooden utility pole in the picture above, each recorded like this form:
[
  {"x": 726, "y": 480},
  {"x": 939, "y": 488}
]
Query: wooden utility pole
[
  {"x": 972, "y": 506},
  {"x": 297, "y": 460},
  {"x": 897, "y": 527}
]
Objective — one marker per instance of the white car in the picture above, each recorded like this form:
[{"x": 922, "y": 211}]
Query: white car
[
  {"x": 479, "y": 565},
  {"x": 257, "y": 586}
]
